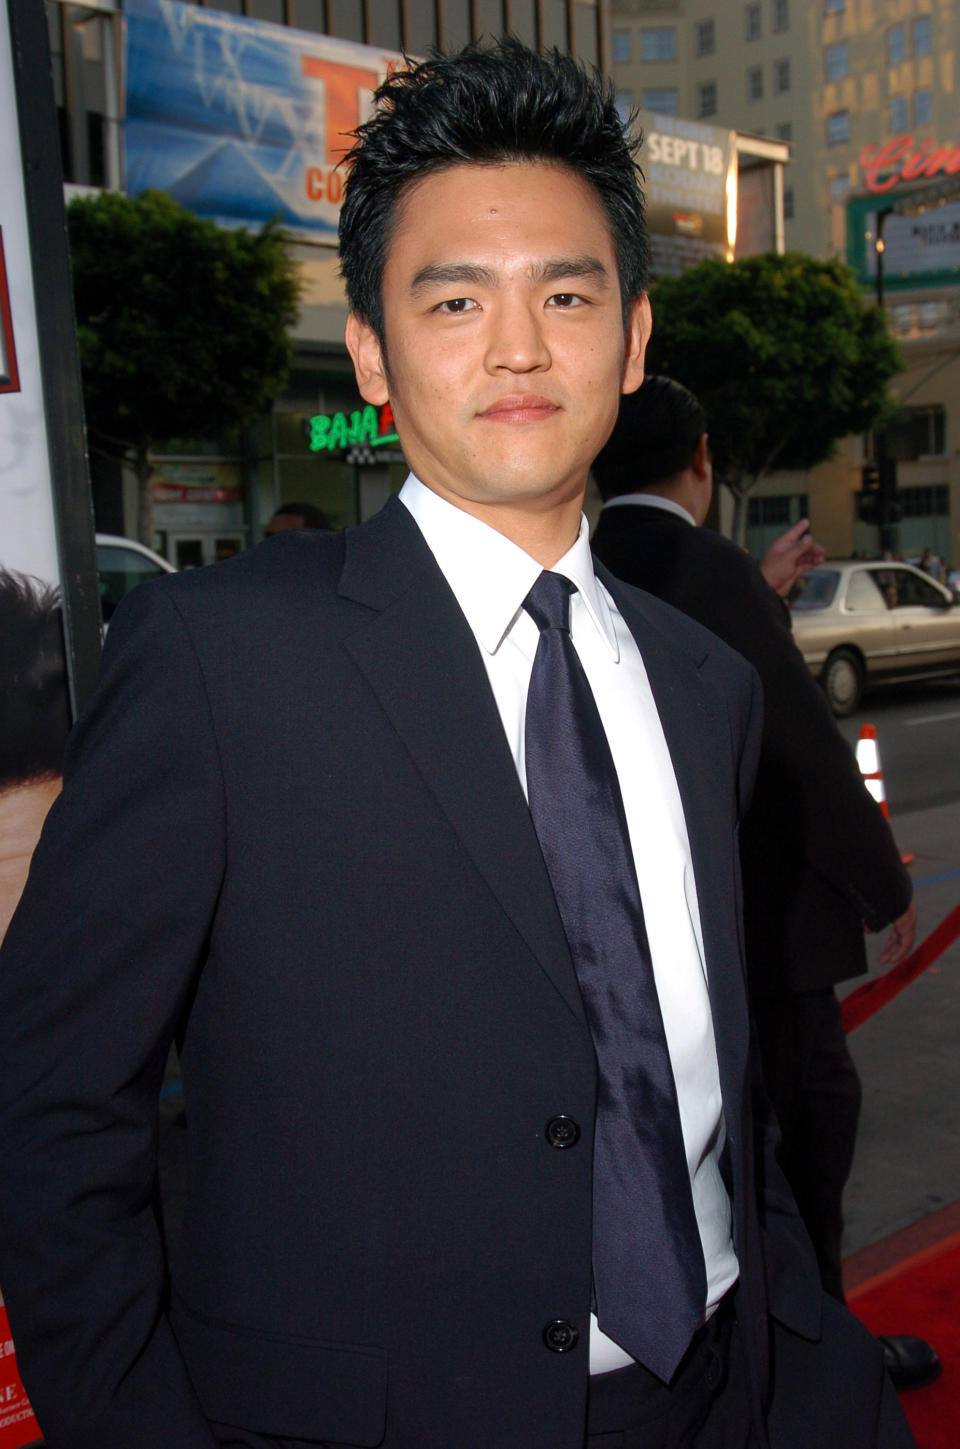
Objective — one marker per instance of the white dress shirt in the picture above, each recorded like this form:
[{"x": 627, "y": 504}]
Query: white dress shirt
[{"x": 490, "y": 577}]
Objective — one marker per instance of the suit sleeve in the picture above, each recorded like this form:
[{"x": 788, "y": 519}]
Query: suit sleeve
[
  {"x": 96, "y": 970},
  {"x": 809, "y": 792},
  {"x": 790, "y": 1266}
]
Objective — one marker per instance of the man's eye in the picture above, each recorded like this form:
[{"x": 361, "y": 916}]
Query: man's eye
[
  {"x": 457, "y": 305},
  {"x": 565, "y": 299}
]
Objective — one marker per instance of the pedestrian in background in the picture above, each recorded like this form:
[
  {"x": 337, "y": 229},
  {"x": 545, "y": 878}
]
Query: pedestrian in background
[{"x": 819, "y": 861}]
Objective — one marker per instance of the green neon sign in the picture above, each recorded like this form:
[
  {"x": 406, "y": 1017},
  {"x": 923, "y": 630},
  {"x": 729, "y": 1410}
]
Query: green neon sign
[{"x": 327, "y": 432}]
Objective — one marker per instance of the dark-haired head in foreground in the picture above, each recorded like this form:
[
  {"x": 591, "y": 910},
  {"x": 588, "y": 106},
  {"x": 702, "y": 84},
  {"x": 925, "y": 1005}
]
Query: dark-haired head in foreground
[
  {"x": 493, "y": 246},
  {"x": 487, "y": 106}
]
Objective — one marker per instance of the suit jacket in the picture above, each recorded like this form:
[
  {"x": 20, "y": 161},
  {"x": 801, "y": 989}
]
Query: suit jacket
[
  {"x": 818, "y": 857},
  {"x": 292, "y": 834}
]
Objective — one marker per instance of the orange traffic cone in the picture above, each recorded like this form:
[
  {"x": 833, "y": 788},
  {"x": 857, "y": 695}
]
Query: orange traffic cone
[{"x": 868, "y": 758}]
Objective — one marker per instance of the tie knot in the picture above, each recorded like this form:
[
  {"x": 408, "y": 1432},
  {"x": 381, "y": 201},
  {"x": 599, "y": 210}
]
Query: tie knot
[{"x": 548, "y": 602}]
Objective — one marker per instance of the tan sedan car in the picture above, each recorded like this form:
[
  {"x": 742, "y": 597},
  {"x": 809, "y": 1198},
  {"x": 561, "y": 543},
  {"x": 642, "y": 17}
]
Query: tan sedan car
[{"x": 859, "y": 624}]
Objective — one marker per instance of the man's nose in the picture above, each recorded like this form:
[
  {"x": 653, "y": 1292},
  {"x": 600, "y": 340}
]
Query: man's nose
[{"x": 517, "y": 342}]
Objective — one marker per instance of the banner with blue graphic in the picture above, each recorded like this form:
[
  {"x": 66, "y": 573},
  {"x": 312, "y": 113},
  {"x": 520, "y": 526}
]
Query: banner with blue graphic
[{"x": 239, "y": 120}]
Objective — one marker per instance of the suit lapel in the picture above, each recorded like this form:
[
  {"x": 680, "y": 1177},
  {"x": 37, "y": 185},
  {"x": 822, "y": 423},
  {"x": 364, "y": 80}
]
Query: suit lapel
[
  {"x": 419, "y": 656},
  {"x": 697, "y": 732}
]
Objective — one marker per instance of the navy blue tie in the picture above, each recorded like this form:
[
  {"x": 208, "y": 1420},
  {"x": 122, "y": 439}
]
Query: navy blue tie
[{"x": 648, "y": 1268}]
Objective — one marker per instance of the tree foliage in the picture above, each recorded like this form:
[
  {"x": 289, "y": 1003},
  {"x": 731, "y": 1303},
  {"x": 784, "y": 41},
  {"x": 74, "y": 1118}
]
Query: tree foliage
[
  {"x": 184, "y": 328},
  {"x": 784, "y": 354}
]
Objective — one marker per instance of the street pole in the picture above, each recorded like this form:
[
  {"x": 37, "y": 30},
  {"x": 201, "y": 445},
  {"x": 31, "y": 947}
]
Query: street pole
[{"x": 886, "y": 466}]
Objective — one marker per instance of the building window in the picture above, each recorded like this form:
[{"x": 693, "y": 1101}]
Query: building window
[
  {"x": 896, "y": 44},
  {"x": 664, "y": 101},
  {"x": 783, "y": 131},
  {"x": 788, "y": 203},
  {"x": 781, "y": 15},
  {"x": 707, "y": 99},
  {"x": 755, "y": 83},
  {"x": 898, "y": 115},
  {"x": 624, "y": 104},
  {"x": 922, "y": 36},
  {"x": 931, "y": 500},
  {"x": 919, "y": 432},
  {"x": 838, "y": 128},
  {"x": 752, "y": 17},
  {"x": 836, "y": 61},
  {"x": 659, "y": 44},
  {"x": 902, "y": 318},
  {"x": 923, "y": 108},
  {"x": 834, "y": 7},
  {"x": 929, "y": 315},
  {"x": 839, "y": 189},
  {"x": 704, "y": 37},
  {"x": 781, "y": 77},
  {"x": 622, "y": 49},
  {"x": 780, "y": 510},
  {"x": 266, "y": 10}
]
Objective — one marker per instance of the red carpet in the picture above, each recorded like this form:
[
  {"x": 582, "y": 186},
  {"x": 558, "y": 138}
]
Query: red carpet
[{"x": 921, "y": 1295}]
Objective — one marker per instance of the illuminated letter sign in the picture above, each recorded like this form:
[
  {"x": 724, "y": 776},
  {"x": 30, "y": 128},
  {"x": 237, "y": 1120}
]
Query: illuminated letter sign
[
  {"x": 887, "y": 165},
  {"x": 328, "y": 432}
]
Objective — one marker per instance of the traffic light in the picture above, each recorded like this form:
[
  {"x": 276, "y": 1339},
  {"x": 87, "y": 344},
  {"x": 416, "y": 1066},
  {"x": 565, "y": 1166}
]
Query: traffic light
[{"x": 868, "y": 499}]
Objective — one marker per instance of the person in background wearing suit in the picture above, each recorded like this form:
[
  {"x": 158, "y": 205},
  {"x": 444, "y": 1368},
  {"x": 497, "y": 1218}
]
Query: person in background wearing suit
[
  {"x": 420, "y": 840},
  {"x": 819, "y": 860},
  {"x": 295, "y": 515}
]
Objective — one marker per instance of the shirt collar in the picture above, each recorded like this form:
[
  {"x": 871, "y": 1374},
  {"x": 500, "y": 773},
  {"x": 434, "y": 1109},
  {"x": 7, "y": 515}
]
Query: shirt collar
[
  {"x": 491, "y": 576},
  {"x": 653, "y": 500}
]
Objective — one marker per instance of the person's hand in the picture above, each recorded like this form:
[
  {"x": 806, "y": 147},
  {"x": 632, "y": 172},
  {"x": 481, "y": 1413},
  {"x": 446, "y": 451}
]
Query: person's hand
[
  {"x": 790, "y": 556},
  {"x": 899, "y": 943}
]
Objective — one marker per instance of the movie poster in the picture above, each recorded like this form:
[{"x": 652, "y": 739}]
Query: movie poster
[{"x": 34, "y": 698}]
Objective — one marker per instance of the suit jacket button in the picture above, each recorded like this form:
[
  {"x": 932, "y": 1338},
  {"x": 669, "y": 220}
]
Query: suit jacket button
[
  {"x": 562, "y": 1131},
  {"x": 560, "y": 1336}
]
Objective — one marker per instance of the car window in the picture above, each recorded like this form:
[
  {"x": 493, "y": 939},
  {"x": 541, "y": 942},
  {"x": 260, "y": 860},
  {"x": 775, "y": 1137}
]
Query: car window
[
  {"x": 120, "y": 570},
  {"x": 915, "y": 590},
  {"x": 864, "y": 592},
  {"x": 818, "y": 590}
]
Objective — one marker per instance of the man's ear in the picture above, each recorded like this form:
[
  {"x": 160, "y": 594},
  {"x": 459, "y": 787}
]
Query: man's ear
[
  {"x": 369, "y": 365},
  {"x": 700, "y": 462},
  {"x": 639, "y": 327}
]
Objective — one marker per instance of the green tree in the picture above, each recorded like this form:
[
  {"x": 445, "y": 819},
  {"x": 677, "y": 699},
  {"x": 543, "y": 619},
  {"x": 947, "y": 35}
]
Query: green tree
[
  {"x": 184, "y": 328},
  {"x": 784, "y": 354}
]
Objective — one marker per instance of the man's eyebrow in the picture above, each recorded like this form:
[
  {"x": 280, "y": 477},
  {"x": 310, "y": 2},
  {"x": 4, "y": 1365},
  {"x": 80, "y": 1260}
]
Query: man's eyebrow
[
  {"x": 451, "y": 274},
  {"x": 558, "y": 268},
  {"x": 553, "y": 269}
]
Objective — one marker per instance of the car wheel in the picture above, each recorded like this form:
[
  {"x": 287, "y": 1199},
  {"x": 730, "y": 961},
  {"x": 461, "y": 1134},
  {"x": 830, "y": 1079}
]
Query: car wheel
[{"x": 842, "y": 680}]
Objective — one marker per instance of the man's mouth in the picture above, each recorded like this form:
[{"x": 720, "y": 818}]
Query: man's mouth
[{"x": 520, "y": 408}]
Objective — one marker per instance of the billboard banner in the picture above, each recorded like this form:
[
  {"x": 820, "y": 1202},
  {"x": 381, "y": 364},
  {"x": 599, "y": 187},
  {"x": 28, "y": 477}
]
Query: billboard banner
[
  {"x": 27, "y": 533},
  {"x": 690, "y": 172},
  {"x": 240, "y": 120}
]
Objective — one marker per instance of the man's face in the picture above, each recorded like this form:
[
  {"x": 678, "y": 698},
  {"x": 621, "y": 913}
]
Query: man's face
[{"x": 505, "y": 351}]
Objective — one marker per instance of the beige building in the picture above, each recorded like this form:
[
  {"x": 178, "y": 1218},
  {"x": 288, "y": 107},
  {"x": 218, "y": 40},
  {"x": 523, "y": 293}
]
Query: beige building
[{"x": 866, "y": 94}]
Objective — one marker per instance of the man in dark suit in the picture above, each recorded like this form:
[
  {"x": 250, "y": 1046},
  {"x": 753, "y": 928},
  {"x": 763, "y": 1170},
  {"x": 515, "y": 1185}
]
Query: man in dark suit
[
  {"x": 294, "y": 835},
  {"x": 819, "y": 861}
]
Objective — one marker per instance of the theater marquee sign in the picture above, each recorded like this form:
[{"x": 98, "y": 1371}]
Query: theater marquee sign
[{"x": 891, "y": 163}]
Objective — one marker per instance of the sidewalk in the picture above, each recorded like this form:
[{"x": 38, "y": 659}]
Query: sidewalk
[{"x": 908, "y": 1148}]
